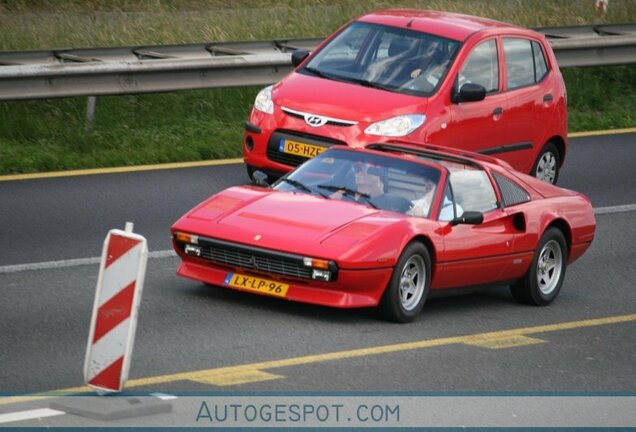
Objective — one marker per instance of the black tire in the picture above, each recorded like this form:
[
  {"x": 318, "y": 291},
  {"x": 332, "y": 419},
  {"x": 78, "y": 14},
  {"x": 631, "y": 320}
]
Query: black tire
[
  {"x": 397, "y": 304},
  {"x": 548, "y": 164},
  {"x": 541, "y": 284}
]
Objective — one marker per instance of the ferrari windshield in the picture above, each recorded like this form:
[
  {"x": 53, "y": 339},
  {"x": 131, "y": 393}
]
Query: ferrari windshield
[
  {"x": 373, "y": 180},
  {"x": 388, "y": 58}
]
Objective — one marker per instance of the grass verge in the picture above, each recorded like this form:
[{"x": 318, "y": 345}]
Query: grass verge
[{"x": 49, "y": 135}]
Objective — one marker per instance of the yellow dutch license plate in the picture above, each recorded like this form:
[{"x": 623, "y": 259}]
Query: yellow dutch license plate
[
  {"x": 250, "y": 283},
  {"x": 300, "y": 149}
]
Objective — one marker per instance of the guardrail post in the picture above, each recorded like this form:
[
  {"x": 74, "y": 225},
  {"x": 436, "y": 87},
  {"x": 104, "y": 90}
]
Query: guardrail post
[{"x": 91, "y": 104}]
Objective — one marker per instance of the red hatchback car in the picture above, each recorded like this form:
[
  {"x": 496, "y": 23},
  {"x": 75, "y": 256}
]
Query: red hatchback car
[{"x": 417, "y": 76}]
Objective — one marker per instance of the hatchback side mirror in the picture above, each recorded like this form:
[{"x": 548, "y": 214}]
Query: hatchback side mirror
[
  {"x": 470, "y": 92},
  {"x": 468, "y": 218},
  {"x": 298, "y": 56}
]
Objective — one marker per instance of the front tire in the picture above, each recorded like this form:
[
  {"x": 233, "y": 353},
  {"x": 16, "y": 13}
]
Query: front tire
[
  {"x": 544, "y": 278},
  {"x": 546, "y": 167},
  {"x": 406, "y": 293}
]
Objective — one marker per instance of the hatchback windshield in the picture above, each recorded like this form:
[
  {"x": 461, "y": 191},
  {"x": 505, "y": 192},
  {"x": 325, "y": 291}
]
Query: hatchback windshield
[{"x": 388, "y": 58}]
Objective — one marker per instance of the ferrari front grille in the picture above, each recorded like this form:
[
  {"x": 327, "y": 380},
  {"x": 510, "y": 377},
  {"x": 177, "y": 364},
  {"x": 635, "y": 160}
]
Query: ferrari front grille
[{"x": 245, "y": 257}]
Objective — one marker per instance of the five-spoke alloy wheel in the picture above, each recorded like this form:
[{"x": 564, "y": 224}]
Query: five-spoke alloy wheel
[
  {"x": 543, "y": 281},
  {"x": 406, "y": 293}
]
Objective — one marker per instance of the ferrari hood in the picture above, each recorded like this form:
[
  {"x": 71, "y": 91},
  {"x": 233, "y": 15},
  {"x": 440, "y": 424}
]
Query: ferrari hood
[
  {"x": 285, "y": 221},
  {"x": 341, "y": 100}
]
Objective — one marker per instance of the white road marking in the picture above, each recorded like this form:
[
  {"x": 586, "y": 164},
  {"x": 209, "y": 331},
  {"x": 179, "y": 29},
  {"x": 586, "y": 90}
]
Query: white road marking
[
  {"x": 170, "y": 253},
  {"x": 72, "y": 263},
  {"x": 29, "y": 415},
  {"x": 615, "y": 209},
  {"x": 164, "y": 396}
]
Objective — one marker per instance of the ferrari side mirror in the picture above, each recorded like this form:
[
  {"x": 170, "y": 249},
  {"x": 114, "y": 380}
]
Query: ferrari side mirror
[{"x": 468, "y": 218}]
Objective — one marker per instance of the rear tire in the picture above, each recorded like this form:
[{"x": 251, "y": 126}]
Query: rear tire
[
  {"x": 546, "y": 167},
  {"x": 544, "y": 278},
  {"x": 406, "y": 293}
]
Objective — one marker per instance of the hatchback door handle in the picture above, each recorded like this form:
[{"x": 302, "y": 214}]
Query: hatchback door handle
[
  {"x": 548, "y": 98},
  {"x": 498, "y": 111}
]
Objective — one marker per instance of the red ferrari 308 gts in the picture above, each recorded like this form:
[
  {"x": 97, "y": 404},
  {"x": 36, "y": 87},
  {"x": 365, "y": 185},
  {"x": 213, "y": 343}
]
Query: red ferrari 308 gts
[{"x": 383, "y": 225}]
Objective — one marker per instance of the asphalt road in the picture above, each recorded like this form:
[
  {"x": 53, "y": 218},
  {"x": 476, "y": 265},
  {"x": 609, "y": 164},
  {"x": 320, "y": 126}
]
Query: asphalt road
[{"x": 186, "y": 327}]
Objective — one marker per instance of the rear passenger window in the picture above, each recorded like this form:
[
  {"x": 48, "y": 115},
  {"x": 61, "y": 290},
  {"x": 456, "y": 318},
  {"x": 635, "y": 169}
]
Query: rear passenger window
[
  {"x": 482, "y": 67},
  {"x": 519, "y": 62},
  {"x": 540, "y": 66}
]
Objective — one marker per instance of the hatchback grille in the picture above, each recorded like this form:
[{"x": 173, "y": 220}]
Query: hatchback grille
[{"x": 330, "y": 122}]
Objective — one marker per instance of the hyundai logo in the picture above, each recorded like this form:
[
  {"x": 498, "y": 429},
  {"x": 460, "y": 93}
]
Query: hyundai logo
[{"x": 315, "y": 121}]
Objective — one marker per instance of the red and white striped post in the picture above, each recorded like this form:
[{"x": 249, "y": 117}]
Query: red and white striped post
[{"x": 115, "y": 310}]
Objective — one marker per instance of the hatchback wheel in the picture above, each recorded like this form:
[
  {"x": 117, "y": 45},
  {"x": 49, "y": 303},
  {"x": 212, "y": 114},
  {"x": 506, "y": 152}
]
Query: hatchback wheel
[
  {"x": 543, "y": 281},
  {"x": 546, "y": 167},
  {"x": 406, "y": 293}
]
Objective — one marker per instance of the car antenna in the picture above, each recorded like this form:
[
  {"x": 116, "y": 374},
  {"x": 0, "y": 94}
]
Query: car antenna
[{"x": 409, "y": 24}]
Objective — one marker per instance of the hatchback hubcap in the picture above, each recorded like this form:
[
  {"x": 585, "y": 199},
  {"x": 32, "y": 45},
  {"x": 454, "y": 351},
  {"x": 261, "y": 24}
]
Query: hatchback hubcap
[{"x": 546, "y": 168}]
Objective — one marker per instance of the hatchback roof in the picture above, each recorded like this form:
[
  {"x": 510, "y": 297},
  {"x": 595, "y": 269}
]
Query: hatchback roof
[{"x": 446, "y": 24}]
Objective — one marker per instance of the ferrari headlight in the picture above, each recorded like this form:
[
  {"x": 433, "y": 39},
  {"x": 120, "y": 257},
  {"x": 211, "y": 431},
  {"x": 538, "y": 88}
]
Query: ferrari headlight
[
  {"x": 396, "y": 126},
  {"x": 264, "y": 101}
]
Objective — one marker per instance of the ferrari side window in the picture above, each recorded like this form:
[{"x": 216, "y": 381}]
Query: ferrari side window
[
  {"x": 472, "y": 189},
  {"x": 450, "y": 209}
]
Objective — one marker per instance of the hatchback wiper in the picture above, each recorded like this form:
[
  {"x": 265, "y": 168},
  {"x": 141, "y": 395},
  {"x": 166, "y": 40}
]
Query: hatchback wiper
[
  {"x": 319, "y": 73},
  {"x": 342, "y": 78},
  {"x": 348, "y": 191},
  {"x": 367, "y": 83}
]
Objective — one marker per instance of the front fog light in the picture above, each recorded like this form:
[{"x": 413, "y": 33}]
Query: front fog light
[
  {"x": 193, "y": 250},
  {"x": 323, "y": 275}
]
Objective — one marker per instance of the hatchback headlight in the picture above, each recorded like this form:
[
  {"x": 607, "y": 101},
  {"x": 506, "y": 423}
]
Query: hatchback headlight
[
  {"x": 396, "y": 126},
  {"x": 264, "y": 101}
]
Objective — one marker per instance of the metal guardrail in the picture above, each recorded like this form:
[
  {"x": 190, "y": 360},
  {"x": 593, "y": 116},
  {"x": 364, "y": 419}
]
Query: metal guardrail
[{"x": 148, "y": 69}]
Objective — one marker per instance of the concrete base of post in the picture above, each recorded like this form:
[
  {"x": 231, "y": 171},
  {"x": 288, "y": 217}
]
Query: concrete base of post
[{"x": 111, "y": 407}]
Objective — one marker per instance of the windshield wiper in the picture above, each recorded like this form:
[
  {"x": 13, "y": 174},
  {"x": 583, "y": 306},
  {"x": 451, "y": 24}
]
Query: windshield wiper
[
  {"x": 318, "y": 73},
  {"x": 301, "y": 186},
  {"x": 367, "y": 83},
  {"x": 297, "y": 184},
  {"x": 351, "y": 192}
]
